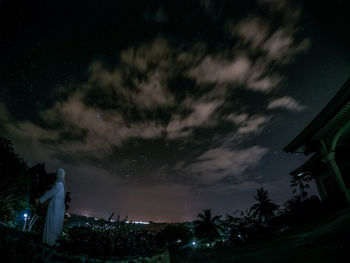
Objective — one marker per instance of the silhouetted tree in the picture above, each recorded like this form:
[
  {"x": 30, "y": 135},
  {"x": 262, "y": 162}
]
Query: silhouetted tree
[
  {"x": 41, "y": 180},
  {"x": 233, "y": 228},
  {"x": 207, "y": 228},
  {"x": 19, "y": 186},
  {"x": 175, "y": 236},
  {"x": 14, "y": 183},
  {"x": 300, "y": 210},
  {"x": 67, "y": 200},
  {"x": 264, "y": 210}
]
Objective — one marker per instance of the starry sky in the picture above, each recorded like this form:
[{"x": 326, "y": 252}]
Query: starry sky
[{"x": 158, "y": 109}]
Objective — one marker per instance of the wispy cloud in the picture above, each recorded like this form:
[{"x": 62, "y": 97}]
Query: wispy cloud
[
  {"x": 218, "y": 163},
  {"x": 246, "y": 125},
  {"x": 260, "y": 52},
  {"x": 199, "y": 117},
  {"x": 212, "y": 70},
  {"x": 159, "y": 91},
  {"x": 167, "y": 114},
  {"x": 287, "y": 103},
  {"x": 252, "y": 30}
]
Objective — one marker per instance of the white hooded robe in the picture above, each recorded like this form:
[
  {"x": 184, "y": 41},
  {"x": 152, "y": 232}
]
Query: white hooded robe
[{"x": 55, "y": 213}]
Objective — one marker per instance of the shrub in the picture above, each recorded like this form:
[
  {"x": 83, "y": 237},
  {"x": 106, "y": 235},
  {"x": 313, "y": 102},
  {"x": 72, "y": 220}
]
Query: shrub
[
  {"x": 14, "y": 184},
  {"x": 174, "y": 236},
  {"x": 110, "y": 239}
]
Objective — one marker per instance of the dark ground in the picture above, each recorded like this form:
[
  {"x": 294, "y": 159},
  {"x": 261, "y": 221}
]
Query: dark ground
[{"x": 326, "y": 240}]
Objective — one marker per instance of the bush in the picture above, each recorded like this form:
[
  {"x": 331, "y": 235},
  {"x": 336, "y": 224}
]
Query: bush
[
  {"x": 300, "y": 210},
  {"x": 14, "y": 185},
  {"x": 110, "y": 239},
  {"x": 175, "y": 236}
]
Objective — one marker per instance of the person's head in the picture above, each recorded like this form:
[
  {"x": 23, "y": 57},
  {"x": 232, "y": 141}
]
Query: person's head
[{"x": 60, "y": 174}]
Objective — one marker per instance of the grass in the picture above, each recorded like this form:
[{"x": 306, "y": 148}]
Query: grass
[{"x": 325, "y": 240}]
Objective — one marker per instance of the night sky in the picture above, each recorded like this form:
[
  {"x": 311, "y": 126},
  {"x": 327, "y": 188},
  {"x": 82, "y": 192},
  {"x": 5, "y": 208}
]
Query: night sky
[{"x": 158, "y": 109}]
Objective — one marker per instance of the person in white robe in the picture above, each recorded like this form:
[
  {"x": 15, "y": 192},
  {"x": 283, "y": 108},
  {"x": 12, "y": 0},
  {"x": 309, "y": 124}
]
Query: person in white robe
[{"x": 56, "y": 209}]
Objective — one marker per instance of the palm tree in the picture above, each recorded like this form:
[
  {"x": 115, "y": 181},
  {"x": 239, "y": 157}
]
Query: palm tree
[
  {"x": 264, "y": 209},
  {"x": 207, "y": 228}
]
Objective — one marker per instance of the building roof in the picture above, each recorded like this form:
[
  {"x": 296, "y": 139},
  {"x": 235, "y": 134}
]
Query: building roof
[{"x": 333, "y": 115}]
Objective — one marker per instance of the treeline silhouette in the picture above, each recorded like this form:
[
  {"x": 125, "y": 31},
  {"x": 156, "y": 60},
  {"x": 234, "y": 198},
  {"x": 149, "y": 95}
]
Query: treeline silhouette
[{"x": 20, "y": 185}]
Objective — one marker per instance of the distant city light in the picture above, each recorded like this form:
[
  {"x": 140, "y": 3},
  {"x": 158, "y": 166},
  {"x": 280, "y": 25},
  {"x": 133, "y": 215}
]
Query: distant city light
[
  {"x": 25, "y": 215},
  {"x": 179, "y": 241},
  {"x": 208, "y": 245},
  {"x": 137, "y": 222},
  {"x": 193, "y": 243}
]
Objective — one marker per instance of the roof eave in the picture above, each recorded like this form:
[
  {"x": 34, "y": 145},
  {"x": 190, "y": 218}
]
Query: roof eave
[{"x": 327, "y": 113}]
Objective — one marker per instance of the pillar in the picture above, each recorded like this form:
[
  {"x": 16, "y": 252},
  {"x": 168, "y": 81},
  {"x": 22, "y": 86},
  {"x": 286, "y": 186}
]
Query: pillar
[
  {"x": 320, "y": 187},
  {"x": 329, "y": 158}
]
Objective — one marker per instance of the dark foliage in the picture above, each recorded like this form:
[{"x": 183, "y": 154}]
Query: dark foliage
[
  {"x": 175, "y": 236},
  {"x": 264, "y": 210},
  {"x": 41, "y": 180},
  {"x": 299, "y": 210},
  {"x": 207, "y": 228},
  {"x": 14, "y": 184},
  {"x": 20, "y": 185},
  {"x": 67, "y": 200},
  {"x": 110, "y": 239},
  {"x": 245, "y": 228},
  {"x": 233, "y": 229}
]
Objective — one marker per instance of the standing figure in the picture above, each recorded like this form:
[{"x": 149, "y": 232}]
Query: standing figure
[{"x": 56, "y": 209}]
